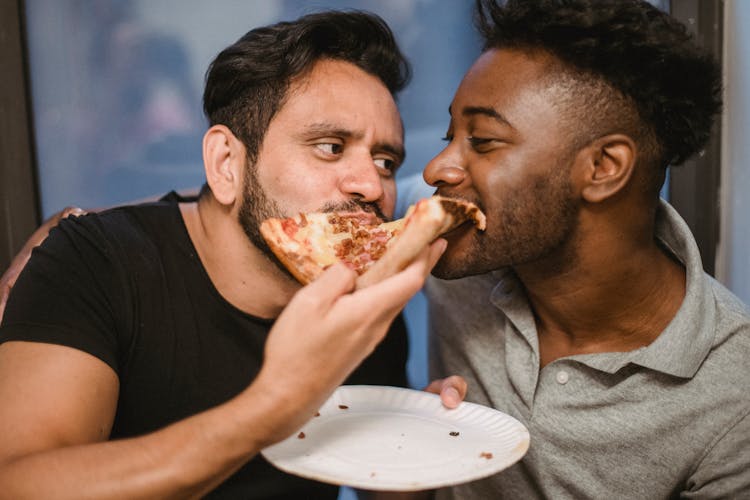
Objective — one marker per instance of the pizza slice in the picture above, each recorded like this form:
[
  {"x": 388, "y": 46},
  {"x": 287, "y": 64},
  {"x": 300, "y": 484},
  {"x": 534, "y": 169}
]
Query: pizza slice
[{"x": 309, "y": 243}]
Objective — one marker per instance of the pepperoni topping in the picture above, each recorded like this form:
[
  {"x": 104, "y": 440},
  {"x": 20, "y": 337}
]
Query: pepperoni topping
[
  {"x": 290, "y": 227},
  {"x": 366, "y": 245}
]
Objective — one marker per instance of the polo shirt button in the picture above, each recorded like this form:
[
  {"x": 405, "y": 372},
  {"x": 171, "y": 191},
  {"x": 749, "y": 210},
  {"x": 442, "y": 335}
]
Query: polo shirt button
[{"x": 562, "y": 377}]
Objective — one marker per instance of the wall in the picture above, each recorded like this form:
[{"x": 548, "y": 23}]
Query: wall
[
  {"x": 733, "y": 259},
  {"x": 116, "y": 86}
]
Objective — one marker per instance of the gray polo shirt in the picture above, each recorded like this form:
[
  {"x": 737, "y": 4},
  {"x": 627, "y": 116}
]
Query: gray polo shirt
[{"x": 667, "y": 420}]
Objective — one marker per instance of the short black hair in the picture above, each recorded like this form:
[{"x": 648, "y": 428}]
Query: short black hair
[
  {"x": 247, "y": 83},
  {"x": 641, "y": 53}
]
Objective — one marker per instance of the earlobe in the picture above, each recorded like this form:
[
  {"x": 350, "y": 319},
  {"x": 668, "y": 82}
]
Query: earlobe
[
  {"x": 223, "y": 158},
  {"x": 610, "y": 163}
]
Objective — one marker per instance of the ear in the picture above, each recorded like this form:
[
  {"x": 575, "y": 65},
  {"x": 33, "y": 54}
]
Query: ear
[
  {"x": 608, "y": 166},
  {"x": 224, "y": 160}
]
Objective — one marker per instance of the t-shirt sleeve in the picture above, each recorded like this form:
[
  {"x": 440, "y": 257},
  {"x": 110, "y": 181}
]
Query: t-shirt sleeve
[
  {"x": 70, "y": 292},
  {"x": 725, "y": 470}
]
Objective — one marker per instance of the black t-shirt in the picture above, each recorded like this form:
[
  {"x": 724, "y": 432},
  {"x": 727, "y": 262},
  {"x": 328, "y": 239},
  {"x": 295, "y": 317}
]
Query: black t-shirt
[{"x": 128, "y": 287}]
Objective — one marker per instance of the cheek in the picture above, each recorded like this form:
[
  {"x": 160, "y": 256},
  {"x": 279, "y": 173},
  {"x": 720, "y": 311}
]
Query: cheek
[
  {"x": 296, "y": 189},
  {"x": 389, "y": 197},
  {"x": 492, "y": 187}
]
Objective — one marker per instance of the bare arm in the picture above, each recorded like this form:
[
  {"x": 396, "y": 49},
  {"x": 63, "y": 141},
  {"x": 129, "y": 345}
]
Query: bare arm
[{"x": 59, "y": 403}]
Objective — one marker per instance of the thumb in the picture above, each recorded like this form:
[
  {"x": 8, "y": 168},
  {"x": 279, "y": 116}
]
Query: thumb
[{"x": 452, "y": 390}]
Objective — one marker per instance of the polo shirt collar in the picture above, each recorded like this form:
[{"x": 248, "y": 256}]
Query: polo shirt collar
[{"x": 683, "y": 345}]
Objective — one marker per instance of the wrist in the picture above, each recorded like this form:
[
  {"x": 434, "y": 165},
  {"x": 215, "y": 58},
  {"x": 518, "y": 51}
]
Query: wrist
[{"x": 279, "y": 408}]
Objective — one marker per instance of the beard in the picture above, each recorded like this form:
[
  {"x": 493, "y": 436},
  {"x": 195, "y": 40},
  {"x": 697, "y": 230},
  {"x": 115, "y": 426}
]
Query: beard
[
  {"x": 536, "y": 224},
  {"x": 257, "y": 206}
]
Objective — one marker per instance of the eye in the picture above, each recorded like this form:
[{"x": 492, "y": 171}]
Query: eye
[
  {"x": 386, "y": 164},
  {"x": 331, "y": 148},
  {"x": 481, "y": 144}
]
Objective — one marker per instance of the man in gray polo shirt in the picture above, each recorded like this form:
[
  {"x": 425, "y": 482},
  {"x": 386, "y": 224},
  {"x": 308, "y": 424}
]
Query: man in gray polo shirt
[{"x": 587, "y": 314}]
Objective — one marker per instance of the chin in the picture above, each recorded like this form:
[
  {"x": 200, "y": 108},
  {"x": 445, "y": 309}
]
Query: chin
[
  {"x": 444, "y": 273},
  {"x": 462, "y": 243},
  {"x": 467, "y": 254},
  {"x": 452, "y": 264}
]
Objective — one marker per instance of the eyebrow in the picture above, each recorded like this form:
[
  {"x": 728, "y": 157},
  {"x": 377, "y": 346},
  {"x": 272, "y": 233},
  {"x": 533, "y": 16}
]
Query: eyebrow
[
  {"x": 324, "y": 128},
  {"x": 485, "y": 111},
  {"x": 398, "y": 151},
  {"x": 329, "y": 129}
]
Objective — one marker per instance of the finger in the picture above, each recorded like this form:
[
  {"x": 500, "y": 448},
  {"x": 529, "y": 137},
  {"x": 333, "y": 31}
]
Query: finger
[
  {"x": 425, "y": 261},
  {"x": 452, "y": 391},
  {"x": 75, "y": 211},
  {"x": 434, "y": 386},
  {"x": 436, "y": 251},
  {"x": 391, "y": 294}
]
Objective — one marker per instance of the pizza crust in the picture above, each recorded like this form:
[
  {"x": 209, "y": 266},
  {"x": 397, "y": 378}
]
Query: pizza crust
[{"x": 425, "y": 221}]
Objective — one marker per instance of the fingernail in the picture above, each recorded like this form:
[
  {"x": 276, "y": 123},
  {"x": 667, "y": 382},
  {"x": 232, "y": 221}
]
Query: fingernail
[{"x": 451, "y": 397}]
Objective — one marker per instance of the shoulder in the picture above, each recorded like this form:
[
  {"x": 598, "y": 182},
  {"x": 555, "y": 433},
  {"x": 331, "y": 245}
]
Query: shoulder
[
  {"x": 732, "y": 322},
  {"x": 724, "y": 374},
  {"x": 144, "y": 219},
  {"x": 127, "y": 228},
  {"x": 730, "y": 308},
  {"x": 101, "y": 248}
]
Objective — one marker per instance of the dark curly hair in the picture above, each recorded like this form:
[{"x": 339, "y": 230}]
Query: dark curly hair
[
  {"x": 246, "y": 84},
  {"x": 620, "y": 54}
]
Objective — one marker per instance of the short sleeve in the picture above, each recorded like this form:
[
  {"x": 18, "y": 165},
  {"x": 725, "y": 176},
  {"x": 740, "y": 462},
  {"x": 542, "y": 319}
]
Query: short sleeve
[
  {"x": 725, "y": 470},
  {"x": 71, "y": 292}
]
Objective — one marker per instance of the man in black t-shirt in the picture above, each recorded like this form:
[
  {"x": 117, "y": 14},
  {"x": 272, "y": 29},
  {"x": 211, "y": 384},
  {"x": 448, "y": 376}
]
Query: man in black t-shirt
[{"x": 144, "y": 352}]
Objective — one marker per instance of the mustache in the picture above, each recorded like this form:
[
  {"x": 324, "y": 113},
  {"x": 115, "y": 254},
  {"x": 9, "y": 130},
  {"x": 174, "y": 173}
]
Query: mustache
[{"x": 355, "y": 206}]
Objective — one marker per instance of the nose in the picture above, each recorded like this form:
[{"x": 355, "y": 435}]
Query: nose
[
  {"x": 363, "y": 181},
  {"x": 445, "y": 169}
]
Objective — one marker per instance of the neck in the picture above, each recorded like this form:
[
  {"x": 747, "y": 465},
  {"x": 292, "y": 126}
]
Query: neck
[
  {"x": 243, "y": 275},
  {"x": 616, "y": 298}
]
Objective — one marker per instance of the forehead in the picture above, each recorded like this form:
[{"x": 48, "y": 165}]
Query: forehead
[
  {"x": 338, "y": 92},
  {"x": 518, "y": 84}
]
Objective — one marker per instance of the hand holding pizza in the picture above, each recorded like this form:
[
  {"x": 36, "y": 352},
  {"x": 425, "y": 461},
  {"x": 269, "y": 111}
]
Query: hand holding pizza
[
  {"x": 326, "y": 331},
  {"x": 309, "y": 243}
]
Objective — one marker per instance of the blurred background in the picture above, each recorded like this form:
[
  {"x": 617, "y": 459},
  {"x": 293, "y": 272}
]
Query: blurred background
[
  {"x": 100, "y": 103},
  {"x": 116, "y": 85}
]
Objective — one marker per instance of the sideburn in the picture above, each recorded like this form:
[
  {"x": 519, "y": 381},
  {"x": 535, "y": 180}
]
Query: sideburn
[{"x": 255, "y": 208}]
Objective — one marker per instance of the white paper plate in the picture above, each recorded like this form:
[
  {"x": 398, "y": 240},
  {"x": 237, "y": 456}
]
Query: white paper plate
[{"x": 389, "y": 438}]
